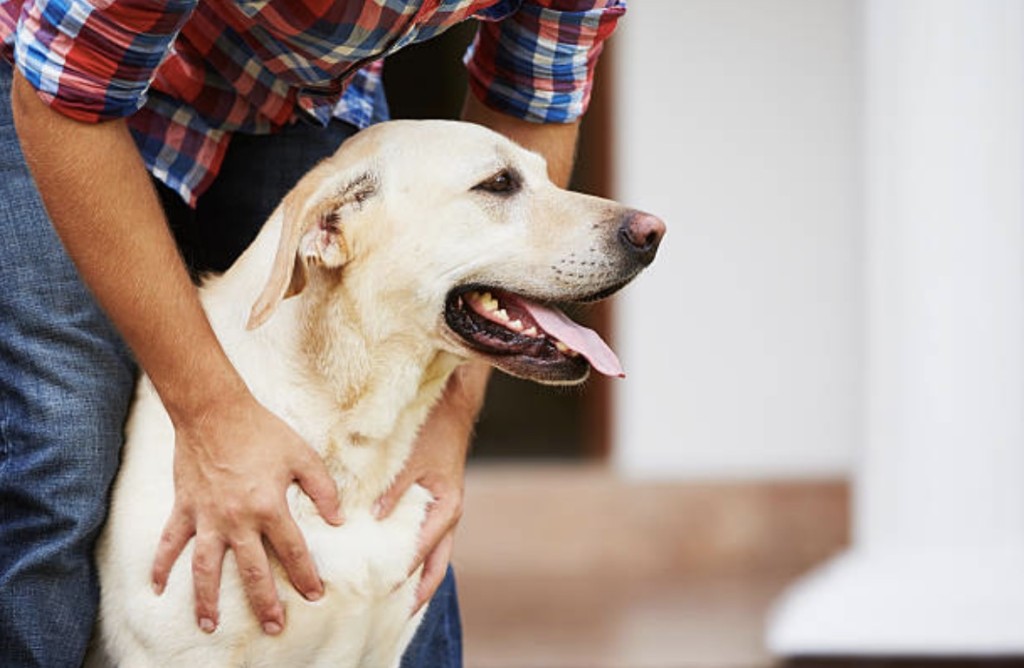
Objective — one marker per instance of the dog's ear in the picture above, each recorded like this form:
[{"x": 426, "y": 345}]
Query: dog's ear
[{"x": 312, "y": 219}]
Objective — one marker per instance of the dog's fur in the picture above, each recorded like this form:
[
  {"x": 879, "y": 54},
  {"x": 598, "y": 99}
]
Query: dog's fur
[{"x": 348, "y": 343}]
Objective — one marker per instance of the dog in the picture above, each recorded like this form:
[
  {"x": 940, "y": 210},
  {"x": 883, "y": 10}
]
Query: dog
[{"x": 417, "y": 246}]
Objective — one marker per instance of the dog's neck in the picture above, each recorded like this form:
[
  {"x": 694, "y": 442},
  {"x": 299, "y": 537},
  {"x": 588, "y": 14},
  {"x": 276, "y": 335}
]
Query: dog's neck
[{"x": 357, "y": 397}]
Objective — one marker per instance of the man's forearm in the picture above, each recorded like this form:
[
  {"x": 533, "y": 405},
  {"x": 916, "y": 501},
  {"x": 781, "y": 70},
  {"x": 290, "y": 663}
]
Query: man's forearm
[
  {"x": 555, "y": 141},
  {"x": 233, "y": 458},
  {"x": 100, "y": 199}
]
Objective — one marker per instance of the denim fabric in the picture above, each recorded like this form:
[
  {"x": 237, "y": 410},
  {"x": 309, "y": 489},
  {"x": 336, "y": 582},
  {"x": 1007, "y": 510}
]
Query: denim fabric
[
  {"x": 66, "y": 380},
  {"x": 65, "y": 383},
  {"x": 438, "y": 640}
]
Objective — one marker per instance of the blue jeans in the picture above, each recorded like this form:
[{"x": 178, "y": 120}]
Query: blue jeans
[{"x": 66, "y": 379}]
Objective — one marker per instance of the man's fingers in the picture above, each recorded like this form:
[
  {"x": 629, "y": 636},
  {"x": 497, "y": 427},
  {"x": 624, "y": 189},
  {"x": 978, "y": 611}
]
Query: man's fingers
[
  {"x": 290, "y": 546},
  {"x": 207, "y": 560},
  {"x": 434, "y": 569},
  {"x": 387, "y": 501},
  {"x": 318, "y": 484},
  {"x": 176, "y": 534},
  {"x": 254, "y": 569},
  {"x": 442, "y": 516}
]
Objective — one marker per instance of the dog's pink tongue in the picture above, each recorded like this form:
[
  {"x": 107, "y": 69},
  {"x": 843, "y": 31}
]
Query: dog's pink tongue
[{"x": 585, "y": 341}]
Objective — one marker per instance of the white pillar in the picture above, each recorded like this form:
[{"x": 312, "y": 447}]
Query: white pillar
[{"x": 937, "y": 563}]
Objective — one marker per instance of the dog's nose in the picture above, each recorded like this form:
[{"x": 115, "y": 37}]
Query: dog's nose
[{"x": 641, "y": 233}]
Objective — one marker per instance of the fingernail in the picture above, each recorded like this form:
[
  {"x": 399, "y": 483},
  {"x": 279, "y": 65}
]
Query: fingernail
[
  {"x": 378, "y": 508},
  {"x": 157, "y": 589},
  {"x": 271, "y": 628},
  {"x": 207, "y": 625},
  {"x": 314, "y": 595}
]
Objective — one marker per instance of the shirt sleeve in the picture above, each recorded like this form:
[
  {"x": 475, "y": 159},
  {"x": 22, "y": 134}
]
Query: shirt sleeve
[
  {"x": 537, "y": 63},
  {"x": 93, "y": 60}
]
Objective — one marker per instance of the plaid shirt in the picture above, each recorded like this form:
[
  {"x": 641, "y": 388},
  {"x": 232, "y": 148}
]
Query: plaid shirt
[{"x": 190, "y": 73}]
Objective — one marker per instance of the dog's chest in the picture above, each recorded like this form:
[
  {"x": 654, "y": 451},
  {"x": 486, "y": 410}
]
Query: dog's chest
[{"x": 366, "y": 556}]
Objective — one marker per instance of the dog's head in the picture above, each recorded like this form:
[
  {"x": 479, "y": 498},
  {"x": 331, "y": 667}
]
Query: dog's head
[{"x": 449, "y": 230}]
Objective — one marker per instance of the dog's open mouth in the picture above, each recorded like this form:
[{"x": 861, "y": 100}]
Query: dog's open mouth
[{"x": 526, "y": 338}]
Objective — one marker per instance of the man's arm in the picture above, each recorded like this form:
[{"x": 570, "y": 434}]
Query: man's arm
[
  {"x": 555, "y": 141},
  {"x": 233, "y": 459}
]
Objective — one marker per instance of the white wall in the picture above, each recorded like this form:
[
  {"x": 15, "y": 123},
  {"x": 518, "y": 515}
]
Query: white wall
[{"x": 738, "y": 122}]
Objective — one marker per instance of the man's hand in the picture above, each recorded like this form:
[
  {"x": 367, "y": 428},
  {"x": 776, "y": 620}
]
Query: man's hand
[
  {"x": 438, "y": 463},
  {"x": 232, "y": 468}
]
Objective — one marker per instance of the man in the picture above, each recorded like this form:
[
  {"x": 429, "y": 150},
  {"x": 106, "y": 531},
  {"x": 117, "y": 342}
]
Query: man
[{"x": 223, "y": 104}]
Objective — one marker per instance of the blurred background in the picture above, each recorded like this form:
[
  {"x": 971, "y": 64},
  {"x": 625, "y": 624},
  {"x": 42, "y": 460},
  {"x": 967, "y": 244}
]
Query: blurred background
[{"x": 826, "y": 361}]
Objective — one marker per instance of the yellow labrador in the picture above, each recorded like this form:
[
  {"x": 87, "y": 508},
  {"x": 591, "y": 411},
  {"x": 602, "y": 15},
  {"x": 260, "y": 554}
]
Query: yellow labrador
[{"x": 415, "y": 247}]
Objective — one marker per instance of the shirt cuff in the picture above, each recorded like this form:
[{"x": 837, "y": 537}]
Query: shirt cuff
[{"x": 538, "y": 62}]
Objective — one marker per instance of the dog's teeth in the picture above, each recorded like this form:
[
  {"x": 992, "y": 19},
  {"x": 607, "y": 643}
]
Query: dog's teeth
[
  {"x": 531, "y": 331},
  {"x": 562, "y": 348},
  {"x": 502, "y": 314},
  {"x": 516, "y": 325},
  {"x": 484, "y": 301}
]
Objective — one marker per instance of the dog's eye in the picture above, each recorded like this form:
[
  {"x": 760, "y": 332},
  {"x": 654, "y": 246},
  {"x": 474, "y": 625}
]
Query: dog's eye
[{"x": 504, "y": 182}]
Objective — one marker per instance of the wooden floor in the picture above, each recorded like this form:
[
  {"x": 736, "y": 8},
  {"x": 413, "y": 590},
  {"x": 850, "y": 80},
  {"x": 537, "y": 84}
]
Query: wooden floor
[{"x": 567, "y": 567}]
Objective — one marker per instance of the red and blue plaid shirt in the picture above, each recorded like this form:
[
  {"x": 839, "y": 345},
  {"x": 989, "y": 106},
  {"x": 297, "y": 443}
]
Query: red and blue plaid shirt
[{"x": 188, "y": 73}]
